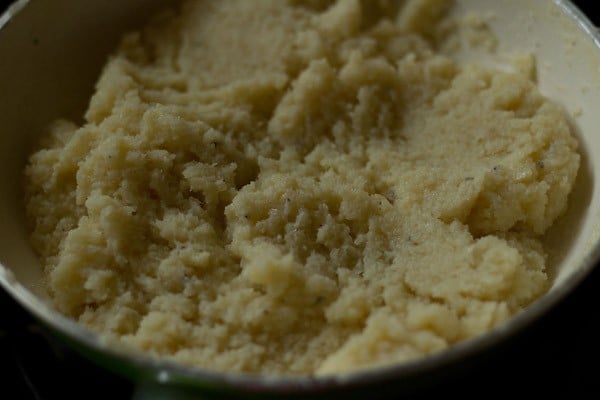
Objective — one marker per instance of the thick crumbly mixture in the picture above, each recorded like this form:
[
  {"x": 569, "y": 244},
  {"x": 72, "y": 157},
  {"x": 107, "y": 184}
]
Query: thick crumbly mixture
[{"x": 299, "y": 187}]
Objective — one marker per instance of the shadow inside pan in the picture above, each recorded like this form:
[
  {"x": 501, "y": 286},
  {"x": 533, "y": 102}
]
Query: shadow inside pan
[{"x": 566, "y": 230}]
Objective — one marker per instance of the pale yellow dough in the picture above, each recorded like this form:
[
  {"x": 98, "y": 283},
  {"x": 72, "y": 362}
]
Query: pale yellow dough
[{"x": 299, "y": 187}]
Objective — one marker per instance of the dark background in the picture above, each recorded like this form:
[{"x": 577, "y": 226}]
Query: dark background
[{"x": 558, "y": 356}]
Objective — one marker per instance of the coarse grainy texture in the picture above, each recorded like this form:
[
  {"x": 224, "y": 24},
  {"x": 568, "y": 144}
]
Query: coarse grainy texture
[{"x": 299, "y": 187}]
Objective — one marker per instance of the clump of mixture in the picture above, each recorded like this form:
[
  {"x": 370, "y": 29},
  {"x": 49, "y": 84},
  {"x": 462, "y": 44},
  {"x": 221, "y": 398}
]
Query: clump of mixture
[{"x": 299, "y": 187}]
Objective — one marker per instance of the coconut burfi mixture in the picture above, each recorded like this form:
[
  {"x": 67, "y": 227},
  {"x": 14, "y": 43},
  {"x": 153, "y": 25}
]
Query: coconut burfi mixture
[{"x": 299, "y": 187}]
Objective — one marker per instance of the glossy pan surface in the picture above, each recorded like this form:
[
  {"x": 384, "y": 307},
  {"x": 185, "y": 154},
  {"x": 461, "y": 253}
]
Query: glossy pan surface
[{"x": 41, "y": 59}]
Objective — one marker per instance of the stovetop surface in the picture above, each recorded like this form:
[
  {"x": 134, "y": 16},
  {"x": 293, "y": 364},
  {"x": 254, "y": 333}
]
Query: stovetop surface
[{"x": 557, "y": 356}]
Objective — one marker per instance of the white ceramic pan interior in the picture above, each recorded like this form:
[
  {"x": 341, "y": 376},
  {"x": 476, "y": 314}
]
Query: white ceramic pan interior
[{"x": 51, "y": 53}]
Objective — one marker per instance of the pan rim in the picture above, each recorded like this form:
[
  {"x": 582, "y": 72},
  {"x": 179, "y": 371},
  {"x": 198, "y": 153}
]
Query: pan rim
[{"x": 168, "y": 372}]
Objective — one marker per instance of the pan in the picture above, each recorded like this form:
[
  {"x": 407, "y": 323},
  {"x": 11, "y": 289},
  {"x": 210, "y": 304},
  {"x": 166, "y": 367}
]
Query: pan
[{"x": 59, "y": 47}]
